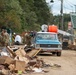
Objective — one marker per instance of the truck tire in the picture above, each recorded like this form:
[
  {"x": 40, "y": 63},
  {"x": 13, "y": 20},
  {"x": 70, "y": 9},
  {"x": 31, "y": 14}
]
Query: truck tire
[{"x": 58, "y": 53}]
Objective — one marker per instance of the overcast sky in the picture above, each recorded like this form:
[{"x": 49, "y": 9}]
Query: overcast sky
[{"x": 68, "y": 6}]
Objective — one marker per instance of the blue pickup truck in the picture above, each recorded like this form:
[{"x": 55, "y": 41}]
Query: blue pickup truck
[{"x": 48, "y": 42}]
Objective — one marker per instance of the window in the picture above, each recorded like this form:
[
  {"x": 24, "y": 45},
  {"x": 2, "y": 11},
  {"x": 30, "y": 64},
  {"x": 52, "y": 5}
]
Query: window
[{"x": 46, "y": 36}]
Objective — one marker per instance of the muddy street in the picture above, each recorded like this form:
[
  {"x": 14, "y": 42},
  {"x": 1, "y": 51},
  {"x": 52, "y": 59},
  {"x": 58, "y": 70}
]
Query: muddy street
[{"x": 67, "y": 62}]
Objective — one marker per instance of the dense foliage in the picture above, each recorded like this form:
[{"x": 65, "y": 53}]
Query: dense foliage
[
  {"x": 66, "y": 19},
  {"x": 20, "y": 15}
]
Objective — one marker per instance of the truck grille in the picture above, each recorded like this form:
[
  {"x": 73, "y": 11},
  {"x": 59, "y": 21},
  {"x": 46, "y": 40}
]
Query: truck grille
[{"x": 49, "y": 45}]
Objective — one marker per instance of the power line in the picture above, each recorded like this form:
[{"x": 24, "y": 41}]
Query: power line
[
  {"x": 69, "y": 4},
  {"x": 67, "y": 8},
  {"x": 66, "y": 5},
  {"x": 70, "y": 10}
]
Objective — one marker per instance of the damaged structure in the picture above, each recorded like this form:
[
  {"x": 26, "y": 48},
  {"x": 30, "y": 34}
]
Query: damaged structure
[{"x": 16, "y": 60}]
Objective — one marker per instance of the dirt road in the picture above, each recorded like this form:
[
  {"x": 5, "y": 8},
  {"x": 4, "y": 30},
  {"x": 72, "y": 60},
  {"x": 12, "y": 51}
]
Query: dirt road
[{"x": 67, "y": 62}]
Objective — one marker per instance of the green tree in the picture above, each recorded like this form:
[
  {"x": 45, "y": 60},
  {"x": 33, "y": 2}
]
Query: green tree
[
  {"x": 10, "y": 14},
  {"x": 66, "y": 19},
  {"x": 29, "y": 17},
  {"x": 42, "y": 11},
  {"x": 20, "y": 15}
]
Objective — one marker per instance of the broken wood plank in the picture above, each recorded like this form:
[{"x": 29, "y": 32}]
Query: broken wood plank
[
  {"x": 11, "y": 51},
  {"x": 36, "y": 52},
  {"x": 33, "y": 53}
]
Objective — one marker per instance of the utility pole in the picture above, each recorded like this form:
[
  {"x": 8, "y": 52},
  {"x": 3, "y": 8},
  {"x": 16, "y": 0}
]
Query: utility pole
[
  {"x": 62, "y": 15},
  {"x": 61, "y": 12}
]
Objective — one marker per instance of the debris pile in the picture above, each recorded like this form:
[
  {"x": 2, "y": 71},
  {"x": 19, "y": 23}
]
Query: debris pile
[{"x": 16, "y": 60}]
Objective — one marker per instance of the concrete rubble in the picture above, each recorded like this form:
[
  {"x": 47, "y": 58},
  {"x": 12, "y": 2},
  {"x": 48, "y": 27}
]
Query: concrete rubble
[{"x": 15, "y": 60}]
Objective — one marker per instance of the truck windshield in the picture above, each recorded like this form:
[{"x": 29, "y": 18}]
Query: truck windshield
[{"x": 41, "y": 36}]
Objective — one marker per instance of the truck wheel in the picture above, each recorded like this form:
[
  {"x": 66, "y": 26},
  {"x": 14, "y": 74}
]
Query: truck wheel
[{"x": 58, "y": 53}]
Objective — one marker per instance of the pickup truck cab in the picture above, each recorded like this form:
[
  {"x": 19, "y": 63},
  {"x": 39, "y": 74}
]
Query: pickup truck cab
[{"x": 48, "y": 41}]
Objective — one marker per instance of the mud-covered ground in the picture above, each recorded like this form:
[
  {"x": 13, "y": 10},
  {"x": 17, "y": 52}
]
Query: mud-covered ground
[{"x": 67, "y": 61}]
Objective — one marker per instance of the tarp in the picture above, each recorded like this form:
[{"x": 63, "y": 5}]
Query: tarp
[{"x": 64, "y": 33}]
